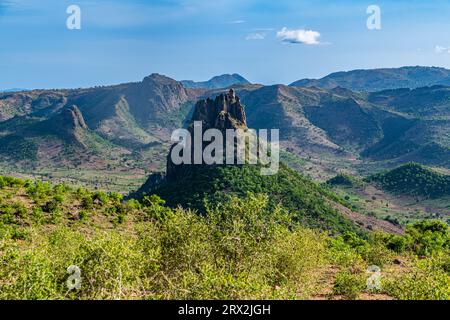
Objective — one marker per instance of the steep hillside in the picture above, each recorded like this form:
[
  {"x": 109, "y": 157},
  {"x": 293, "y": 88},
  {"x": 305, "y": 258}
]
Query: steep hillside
[
  {"x": 31, "y": 102},
  {"x": 381, "y": 79},
  {"x": 344, "y": 124},
  {"x": 62, "y": 138},
  {"x": 427, "y": 102},
  {"x": 282, "y": 107},
  {"x": 129, "y": 114},
  {"x": 121, "y": 134},
  {"x": 358, "y": 131},
  {"x": 204, "y": 186}
]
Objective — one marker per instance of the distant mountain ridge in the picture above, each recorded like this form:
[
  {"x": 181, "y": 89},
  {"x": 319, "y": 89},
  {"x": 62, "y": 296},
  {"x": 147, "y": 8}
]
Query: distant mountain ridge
[
  {"x": 13, "y": 90},
  {"x": 218, "y": 82},
  {"x": 93, "y": 127},
  {"x": 381, "y": 79}
]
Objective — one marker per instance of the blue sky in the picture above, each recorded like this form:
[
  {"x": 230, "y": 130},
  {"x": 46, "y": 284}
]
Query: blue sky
[{"x": 122, "y": 41}]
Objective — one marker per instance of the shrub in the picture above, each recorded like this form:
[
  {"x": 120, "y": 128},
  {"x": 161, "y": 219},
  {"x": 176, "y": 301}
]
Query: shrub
[
  {"x": 83, "y": 215},
  {"x": 12, "y": 213},
  {"x": 348, "y": 285},
  {"x": 39, "y": 191},
  {"x": 54, "y": 204},
  {"x": 87, "y": 202},
  {"x": 429, "y": 236},
  {"x": 154, "y": 208},
  {"x": 427, "y": 280},
  {"x": 397, "y": 243},
  {"x": 100, "y": 198},
  {"x": 342, "y": 254},
  {"x": 11, "y": 182}
]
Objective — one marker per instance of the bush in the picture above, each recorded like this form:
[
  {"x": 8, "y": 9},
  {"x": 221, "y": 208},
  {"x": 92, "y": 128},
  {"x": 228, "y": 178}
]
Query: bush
[
  {"x": 54, "y": 204},
  {"x": 11, "y": 182},
  {"x": 12, "y": 213},
  {"x": 397, "y": 243},
  {"x": 39, "y": 191},
  {"x": 87, "y": 202},
  {"x": 111, "y": 266},
  {"x": 239, "y": 248},
  {"x": 342, "y": 254},
  {"x": 348, "y": 285},
  {"x": 429, "y": 237},
  {"x": 100, "y": 198},
  {"x": 427, "y": 280}
]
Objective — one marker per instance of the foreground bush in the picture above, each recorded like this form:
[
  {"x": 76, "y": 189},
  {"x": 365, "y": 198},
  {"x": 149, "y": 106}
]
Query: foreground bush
[
  {"x": 241, "y": 248},
  {"x": 241, "y": 251}
]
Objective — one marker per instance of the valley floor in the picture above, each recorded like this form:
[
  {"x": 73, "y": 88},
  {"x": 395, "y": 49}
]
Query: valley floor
[{"x": 398, "y": 209}]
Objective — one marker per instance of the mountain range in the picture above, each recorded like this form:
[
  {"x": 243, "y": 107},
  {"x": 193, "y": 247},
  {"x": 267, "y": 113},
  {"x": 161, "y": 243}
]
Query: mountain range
[
  {"x": 127, "y": 127},
  {"x": 381, "y": 79}
]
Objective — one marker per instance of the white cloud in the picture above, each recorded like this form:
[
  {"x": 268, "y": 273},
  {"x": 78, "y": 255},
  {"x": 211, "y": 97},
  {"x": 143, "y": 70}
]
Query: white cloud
[
  {"x": 263, "y": 29},
  {"x": 441, "y": 49},
  {"x": 303, "y": 36},
  {"x": 256, "y": 36},
  {"x": 237, "y": 22}
]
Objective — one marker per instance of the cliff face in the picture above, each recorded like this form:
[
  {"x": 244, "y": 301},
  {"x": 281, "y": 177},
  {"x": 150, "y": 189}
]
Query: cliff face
[{"x": 222, "y": 113}]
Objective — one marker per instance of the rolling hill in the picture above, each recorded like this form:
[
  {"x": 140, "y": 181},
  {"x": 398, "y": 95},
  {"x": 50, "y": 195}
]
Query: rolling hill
[{"x": 414, "y": 180}]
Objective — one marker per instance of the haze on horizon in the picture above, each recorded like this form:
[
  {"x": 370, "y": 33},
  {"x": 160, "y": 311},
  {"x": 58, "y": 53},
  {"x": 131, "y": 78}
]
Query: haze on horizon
[{"x": 265, "y": 41}]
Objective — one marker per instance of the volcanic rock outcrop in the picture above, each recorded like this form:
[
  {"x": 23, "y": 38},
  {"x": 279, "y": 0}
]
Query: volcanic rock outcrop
[{"x": 222, "y": 113}]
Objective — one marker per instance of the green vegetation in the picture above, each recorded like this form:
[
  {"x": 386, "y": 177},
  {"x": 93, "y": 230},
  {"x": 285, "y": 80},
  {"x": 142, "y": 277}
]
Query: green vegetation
[
  {"x": 414, "y": 180},
  {"x": 18, "y": 148},
  {"x": 311, "y": 204},
  {"x": 241, "y": 248},
  {"x": 345, "y": 180}
]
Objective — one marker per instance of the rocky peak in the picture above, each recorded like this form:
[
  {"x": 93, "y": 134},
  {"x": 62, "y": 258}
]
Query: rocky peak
[
  {"x": 156, "y": 78},
  {"x": 224, "y": 112},
  {"x": 154, "y": 97},
  {"x": 163, "y": 89}
]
